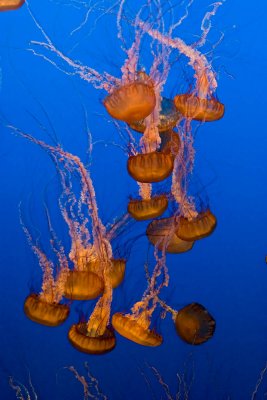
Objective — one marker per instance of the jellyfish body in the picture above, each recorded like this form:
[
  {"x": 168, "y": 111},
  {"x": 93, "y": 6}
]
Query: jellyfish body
[
  {"x": 143, "y": 209},
  {"x": 150, "y": 167},
  {"x": 168, "y": 117},
  {"x": 161, "y": 233},
  {"x": 42, "y": 312},
  {"x": 194, "y": 324},
  {"x": 133, "y": 329},
  {"x": 8, "y": 5},
  {"x": 85, "y": 342},
  {"x": 131, "y": 102},
  {"x": 83, "y": 285},
  {"x": 198, "y": 228},
  {"x": 200, "y": 109}
]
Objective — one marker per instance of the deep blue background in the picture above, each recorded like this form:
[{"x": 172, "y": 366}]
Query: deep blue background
[{"x": 226, "y": 272}]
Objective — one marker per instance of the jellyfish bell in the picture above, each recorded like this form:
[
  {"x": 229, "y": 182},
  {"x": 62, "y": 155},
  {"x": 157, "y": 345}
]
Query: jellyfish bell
[
  {"x": 168, "y": 117},
  {"x": 200, "y": 109},
  {"x": 150, "y": 167},
  {"x": 42, "y": 312},
  {"x": 133, "y": 329},
  {"x": 194, "y": 324},
  {"x": 131, "y": 102},
  {"x": 83, "y": 285},
  {"x": 161, "y": 233},
  {"x": 8, "y": 5},
  {"x": 198, "y": 228},
  {"x": 143, "y": 209},
  {"x": 91, "y": 342}
]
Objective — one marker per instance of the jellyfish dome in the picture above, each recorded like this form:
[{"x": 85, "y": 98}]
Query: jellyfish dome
[
  {"x": 8, "y": 5},
  {"x": 42, "y": 312},
  {"x": 143, "y": 209},
  {"x": 194, "y": 324},
  {"x": 150, "y": 167},
  {"x": 130, "y": 328},
  {"x": 83, "y": 285},
  {"x": 161, "y": 233},
  {"x": 86, "y": 342},
  {"x": 198, "y": 228},
  {"x": 200, "y": 109},
  {"x": 131, "y": 102}
]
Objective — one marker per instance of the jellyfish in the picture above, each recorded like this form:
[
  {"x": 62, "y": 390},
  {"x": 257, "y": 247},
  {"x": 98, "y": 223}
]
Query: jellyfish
[
  {"x": 46, "y": 308},
  {"x": 7, "y": 5},
  {"x": 130, "y": 98},
  {"x": 201, "y": 104},
  {"x": 162, "y": 233},
  {"x": 136, "y": 325},
  {"x": 197, "y": 228},
  {"x": 23, "y": 392},
  {"x": 193, "y": 323}
]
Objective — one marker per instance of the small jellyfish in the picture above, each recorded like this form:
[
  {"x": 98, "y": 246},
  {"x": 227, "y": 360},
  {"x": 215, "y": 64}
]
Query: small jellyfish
[
  {"x": 8, "y": 5},
  {"x": 143, "y": 209},
  {"x": 131, "y": 102},
  {"x": 150, "y": 167},
  {"x": 136, "y": 329},
  {"x": 194, "y": 324},
  {"x": 45, "y": 308},
  {"x": 198, "y": 227}
]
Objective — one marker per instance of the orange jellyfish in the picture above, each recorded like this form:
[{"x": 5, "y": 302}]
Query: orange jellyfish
[
  {"x": 130, "y": 98},
  {"x": 194, "y": 324},
  {"x": 45, "y": 308},
  {"x": 143, "y": 209},
  {"x": 150, "y": 167},
  {"x": 136, "y": 325},
  {"x": 7, "y": 5},
  {"x": 161, "y": 233},
  {"x": 197, "y": 228},
  {"x": 201, "y": 104}
]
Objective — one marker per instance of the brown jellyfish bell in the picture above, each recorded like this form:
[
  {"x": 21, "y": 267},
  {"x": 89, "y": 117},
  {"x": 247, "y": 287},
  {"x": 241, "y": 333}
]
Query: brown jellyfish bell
[
  {"x": 91, "y": 342},
  {"x": 201, "y": 109},
  {"x": 198, "y": 227},
  {"x": 83, "y": 285},
  {"x": 150, "y": 167},
  {"x": 8, "y": 5},
  {"x": 161, "y": 233},
  {"x": 117, "y": 270},
  {"x": 194, "y": 324},
  {"x": 143, "y": 209},
  {"x": 168, "y": 117},
  {"x": 42, "y": 312},
  {"x": 136, "y": 329},
  {"x": 131, "y": 102}
]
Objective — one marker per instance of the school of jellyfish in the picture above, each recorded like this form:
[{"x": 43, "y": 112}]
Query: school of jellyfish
[{"x": 164, "y": 153}]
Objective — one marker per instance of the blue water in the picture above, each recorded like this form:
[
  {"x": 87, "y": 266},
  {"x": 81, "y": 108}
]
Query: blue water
[{"x": 226, "y": 272}]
